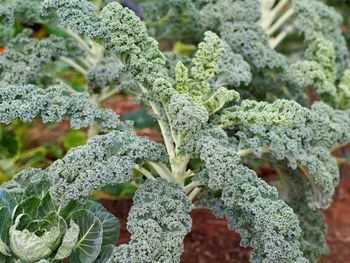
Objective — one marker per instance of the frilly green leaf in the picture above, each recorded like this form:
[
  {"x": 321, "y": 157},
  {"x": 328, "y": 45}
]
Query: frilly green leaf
[
  {"x": 158, "y": 223},
  {"x": 105, "y": 159}
]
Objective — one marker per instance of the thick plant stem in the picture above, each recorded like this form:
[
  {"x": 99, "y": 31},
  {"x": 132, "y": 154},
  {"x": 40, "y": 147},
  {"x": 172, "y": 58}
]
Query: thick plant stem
[
  {"x": 82, "y": 44},
  {"x": 107, "y": 95},
  {"x": 188, "y": 188},
  {"x": 165, "y": 132},
  {"x": 169, "y": 144},
  {"x": 248, "y": 151},
  {"x": 93, "y": 129},
  {"x": 268, "y": 16},
  {"x": 75, "y": 65},
  {"x": 274, "y": 42},
  {"x": 144, "y": 172},
  {"x": 280, "y": 21},
  {"x": 194, "y": 193},
  {"x": 163, "y": 171}
]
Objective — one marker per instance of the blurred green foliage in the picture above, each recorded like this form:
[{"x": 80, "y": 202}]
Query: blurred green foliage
[
  {"x": 343, "y": 7},
  {"x": 74, "y": 138},
  {"x": 141, "y": 119},
  {"x": 18, "y": 150}
]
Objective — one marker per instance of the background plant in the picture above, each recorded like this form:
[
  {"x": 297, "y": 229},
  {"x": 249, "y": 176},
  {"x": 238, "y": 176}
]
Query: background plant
[{"x": 36, "y": 50}]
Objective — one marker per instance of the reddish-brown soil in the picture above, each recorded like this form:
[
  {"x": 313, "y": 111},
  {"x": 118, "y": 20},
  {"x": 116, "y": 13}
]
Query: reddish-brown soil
[
  {"x": 121, "y": 105},
  {"x": 40, "y": 133},
  {"x": 338, "y": 220},
  {"x": 210, "y": 241}
]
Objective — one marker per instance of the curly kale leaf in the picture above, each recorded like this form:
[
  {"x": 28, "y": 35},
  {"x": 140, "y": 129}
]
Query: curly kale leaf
[
  {"x": 26, "y": 11},
  {"x": 128, "y": 37},
  {"x": 215, "y": 13},
  {"x": 315, "y": 18},
  {"x": 105, "y": 159},
  {"x": 26, "y": 102},
  {"x": 235, "y": 21},
  {"x": 185, "y": 116},
  {"x": 284, "y": 130},
  {"x": 321, "y": 126},
  {"x": 344, "y": 90},
  {"x": 172, "y": 19},
  {"x": 205, "y": 65},
  {"x": 246, "y": 201},
  {"x": 319, "y": 71},
  {"x": 206, "y": 61},
  {"x": 79, "y": 16},
  {"x": 332, "y": 125},
  {"x": 194, "y": 96},
  {"x": 25, "y": 57},
  {"x": 234, "y": 70},
  {"x": 173, "y": 61},
  {"x": 322, "y": 51},
  {"x": 251, "y": 42},
  {"x": 293, "y": 189},
  {"x": 158, "y": 223},
  {"x": 107, "y": 72},
  {"x": 310, "y": 73}
]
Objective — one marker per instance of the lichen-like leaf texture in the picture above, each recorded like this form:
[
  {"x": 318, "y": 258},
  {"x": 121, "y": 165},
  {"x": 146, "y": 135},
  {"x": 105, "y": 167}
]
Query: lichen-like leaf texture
[
  {"x": 285, "y": 131},
  {"x": 105, "y": 159},
  {"x": 24, "y": 57},
  {"x": 158, "y": 222},
  {"x": 251, "y": 206},
  {"x": 53, "y": 104},
  {"x": 314, "y": 18}
]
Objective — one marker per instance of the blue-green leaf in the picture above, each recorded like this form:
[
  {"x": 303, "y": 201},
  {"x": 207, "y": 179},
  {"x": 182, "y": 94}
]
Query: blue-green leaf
[
  {"x": 5, "y": 219},
  {"x": 28, "y": 206},
  {"x": 6, "y": 200},
  {"x": 106, "y": 254},
  {"x": 89, "y": 243},
  {"x": 30, "y": 247},
  {"x": 110, "y": 224},
  {"x": 46, "y": 206},
  {"x": 69, "y": 241},
  {"x": 38, "y": 189}
]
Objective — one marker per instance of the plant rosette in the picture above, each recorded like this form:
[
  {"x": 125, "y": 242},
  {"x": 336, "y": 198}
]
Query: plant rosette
[{"x": 36, "y": 229}]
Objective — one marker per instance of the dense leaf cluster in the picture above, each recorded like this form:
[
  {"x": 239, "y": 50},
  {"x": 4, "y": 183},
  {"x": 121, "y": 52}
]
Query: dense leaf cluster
[
  {"x": 37, "y": 229},
  {"x": 158, "y": 223},
  {"x": 53, "y": 104},
  {"x": 25, "y": 57},
  {"x": 105, "y": 159},
  {"x": 245, "y": 200}
]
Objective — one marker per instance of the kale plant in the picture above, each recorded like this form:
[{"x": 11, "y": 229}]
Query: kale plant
[
  {"x": 211, "y": 133},
  {"x": 255, "y": 42}
]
